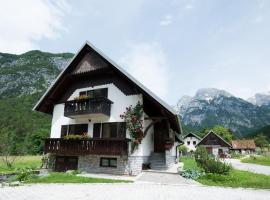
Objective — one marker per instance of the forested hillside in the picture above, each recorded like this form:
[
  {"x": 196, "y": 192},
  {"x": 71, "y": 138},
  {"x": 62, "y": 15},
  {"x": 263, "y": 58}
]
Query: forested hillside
[{"x": 23, "y": 80}]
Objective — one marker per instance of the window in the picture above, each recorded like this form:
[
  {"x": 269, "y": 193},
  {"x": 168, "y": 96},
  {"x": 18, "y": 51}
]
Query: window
[
  {"x": 188, "y": 142},
  {"x": 74, "y": 129},
  {"x": 194, "y": 142},
  {"x": 98, "y": 93},
  {"x": 108, "y": 162},
  {"x": 110, "y": 130}
]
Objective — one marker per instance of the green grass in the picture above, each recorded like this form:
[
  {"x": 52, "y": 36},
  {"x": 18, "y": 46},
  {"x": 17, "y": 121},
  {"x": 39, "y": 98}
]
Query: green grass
[
  {"x": 189, "y": 163},
  {"x": 260, "y": 160},
  {"x": 236, "y": 178},
  {"x": 21, "y": 162},
  {"x": 70, "y": 178}
]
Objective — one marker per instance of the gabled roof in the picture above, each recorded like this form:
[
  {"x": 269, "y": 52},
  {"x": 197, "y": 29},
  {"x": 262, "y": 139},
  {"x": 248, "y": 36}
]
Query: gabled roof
[
  {"x": 243, "y": 144},
  {"x": 213, "y": 139},
  {"x": 192, "y": 135},
  {"x": 46, "y": 100}
]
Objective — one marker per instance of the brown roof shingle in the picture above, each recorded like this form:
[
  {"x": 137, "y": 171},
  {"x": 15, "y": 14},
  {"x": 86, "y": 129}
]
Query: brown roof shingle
[{"x": 243, "y": 144}]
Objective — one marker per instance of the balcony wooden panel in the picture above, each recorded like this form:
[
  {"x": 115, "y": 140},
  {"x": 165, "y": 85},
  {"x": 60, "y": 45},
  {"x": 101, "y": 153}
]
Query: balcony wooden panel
[
  {"x": 97, "y": 146},
  {"x": 88, "y": 107}
]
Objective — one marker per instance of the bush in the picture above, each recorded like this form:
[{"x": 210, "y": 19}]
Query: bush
[
  {"x": 192, "y": 174},
  {"x": 201, "y": 155},
  {"x": 25, "y": 175},
  {"x": 76, "y": 137},
  {"x": 210, "y": 164},
  {"x": 183, "y": 150}
]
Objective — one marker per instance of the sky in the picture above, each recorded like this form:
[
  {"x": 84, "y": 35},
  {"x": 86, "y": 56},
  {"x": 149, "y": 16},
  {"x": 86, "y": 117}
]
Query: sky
[{"x": 174, "y": 47}]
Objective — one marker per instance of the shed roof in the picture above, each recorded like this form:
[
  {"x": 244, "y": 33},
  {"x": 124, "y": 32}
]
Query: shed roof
[{"x": 243, "y": 144}]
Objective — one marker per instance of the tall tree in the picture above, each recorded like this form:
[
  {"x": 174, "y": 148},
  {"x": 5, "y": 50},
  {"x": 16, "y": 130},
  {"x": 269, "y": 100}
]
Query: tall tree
[
  {"x": 223, "y": 132},
  {"x": 261, "y": 141}
]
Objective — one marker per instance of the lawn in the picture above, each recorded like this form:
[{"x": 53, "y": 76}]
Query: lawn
[
  {"x": 260, "y": 160},
  {"x": 236, "y": 178},
  {"x": 189, "y": 163},
  {"x": 21, "y": 162},
  {"x": 70, "y": 178}
]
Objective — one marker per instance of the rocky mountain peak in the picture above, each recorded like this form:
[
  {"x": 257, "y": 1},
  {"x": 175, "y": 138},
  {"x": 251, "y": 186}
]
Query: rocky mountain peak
[
  {"x": 209, "y": 94},
  {"x": 260, "y": 99}
]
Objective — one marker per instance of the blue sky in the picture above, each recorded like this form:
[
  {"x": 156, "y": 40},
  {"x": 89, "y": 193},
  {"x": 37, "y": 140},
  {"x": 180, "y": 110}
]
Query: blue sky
[{"x": 174, "y": 47}]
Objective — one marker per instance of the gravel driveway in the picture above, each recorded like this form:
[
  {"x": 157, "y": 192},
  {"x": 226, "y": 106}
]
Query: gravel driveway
[
  {"x": 130, "y": 191},
  {"x": 260, "y": 169}
]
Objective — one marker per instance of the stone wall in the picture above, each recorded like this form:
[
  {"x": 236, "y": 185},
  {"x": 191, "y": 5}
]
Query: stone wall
[
  {"x": 169, "y": 159},
  {"x": 125, "y": 165}
]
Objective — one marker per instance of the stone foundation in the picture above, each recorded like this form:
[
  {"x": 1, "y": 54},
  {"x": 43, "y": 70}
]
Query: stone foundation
[
  {"x": 131, "y": 165},
  {"x": 169, "y": 159}
]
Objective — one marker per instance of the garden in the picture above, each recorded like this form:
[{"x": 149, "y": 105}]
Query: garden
[
  {"x": 211, "y": 171},
  {"x": 26, "y": 169}
]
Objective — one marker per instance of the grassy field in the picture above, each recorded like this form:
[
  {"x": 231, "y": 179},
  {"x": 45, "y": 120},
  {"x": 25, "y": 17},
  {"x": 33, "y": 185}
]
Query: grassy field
[
  {"x": 70, "y": 178},
  {"x": 21, "y": 162},
  {"x": 260, "y": 160},
  {"x": 236, "y": 178}
]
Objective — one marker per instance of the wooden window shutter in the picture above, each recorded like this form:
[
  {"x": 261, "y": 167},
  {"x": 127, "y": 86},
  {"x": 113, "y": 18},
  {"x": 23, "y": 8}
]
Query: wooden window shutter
[
  {"x": 96, "y": 131},
  {"x": 64, "y": 130}
]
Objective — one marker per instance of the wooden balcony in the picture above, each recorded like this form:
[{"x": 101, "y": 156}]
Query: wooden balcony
[
  {"x": 97, "y": 146},
  {"x": 94, "y": 107}
]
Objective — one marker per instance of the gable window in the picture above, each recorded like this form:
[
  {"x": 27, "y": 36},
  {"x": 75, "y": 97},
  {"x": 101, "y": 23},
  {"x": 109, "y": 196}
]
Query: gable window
[
  {"x": 110, "y": 130},
  {"x": 74, "y": 129},
  {"x": 97, "y": 93},
  {"x": 188, "y": 142},
  {"x": 194, "y": 142},
  {"x": 108, "y": 162}
]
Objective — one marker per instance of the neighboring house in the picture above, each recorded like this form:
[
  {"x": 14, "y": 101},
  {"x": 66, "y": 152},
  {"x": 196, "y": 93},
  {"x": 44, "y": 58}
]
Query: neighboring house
[
  {"x": 87, "y": 132},
  {"x": 243, "y": 146},
  {"x": 191, "y": 140},
  {"x": 215, "y": 144}
]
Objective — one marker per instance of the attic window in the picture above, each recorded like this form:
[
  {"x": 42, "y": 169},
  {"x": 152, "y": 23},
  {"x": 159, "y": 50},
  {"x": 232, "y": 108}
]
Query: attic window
[{"x": 98, "y": 93}]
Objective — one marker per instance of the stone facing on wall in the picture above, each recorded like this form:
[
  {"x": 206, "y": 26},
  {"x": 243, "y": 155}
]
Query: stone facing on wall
[
  {"x": 169, "y": 159},
  {"x": 131, "y": 165}
]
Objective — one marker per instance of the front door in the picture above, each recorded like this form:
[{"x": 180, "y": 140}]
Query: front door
[
  {"x": 160, "y": 132},
  {"x": 65, "y": 163}
]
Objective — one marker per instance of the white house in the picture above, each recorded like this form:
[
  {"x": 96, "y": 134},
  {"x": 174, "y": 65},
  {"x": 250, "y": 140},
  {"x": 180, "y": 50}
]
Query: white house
[
  {"x": 190, "y": 141},
  {"x": 89, "y": 132}
]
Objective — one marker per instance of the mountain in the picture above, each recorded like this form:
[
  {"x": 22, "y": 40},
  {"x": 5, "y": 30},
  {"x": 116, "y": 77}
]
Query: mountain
[
  {"x": 30, "y": 72},
  {"x": 260, "y": 99},
  {"x": 24, "y": 78},
  {"x": 210, "y": 107}
]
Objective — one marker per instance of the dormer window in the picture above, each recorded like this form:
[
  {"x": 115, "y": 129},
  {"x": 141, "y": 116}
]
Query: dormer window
[{"x": 97, "y": 93}]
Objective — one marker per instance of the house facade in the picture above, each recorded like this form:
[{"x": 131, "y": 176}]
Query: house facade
[
  {"x": 215, "y": 144},
  {"x": 243, "y": 146},
  {"x": 90, "y": 130},
  {"x": 190, "y": 141}
]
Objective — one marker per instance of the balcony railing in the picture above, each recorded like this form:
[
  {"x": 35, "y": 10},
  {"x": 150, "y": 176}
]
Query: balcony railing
[
  {"x": 87, "y": 107},
  {"x": 96, "y": 146}
]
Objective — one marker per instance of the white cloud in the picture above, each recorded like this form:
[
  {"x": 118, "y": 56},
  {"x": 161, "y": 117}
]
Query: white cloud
[
  {"x": 257, "y": 19},
  {"x": 24, "y": 22},
  {"x": 148, "y": 64},
  {"x": 167, "y": 20},
  {"x": 188, "y": 6}
]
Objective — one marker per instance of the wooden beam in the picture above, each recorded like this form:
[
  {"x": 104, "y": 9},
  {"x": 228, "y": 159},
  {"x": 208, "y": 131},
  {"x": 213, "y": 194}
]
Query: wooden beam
[{"x": 155, "y": 118}]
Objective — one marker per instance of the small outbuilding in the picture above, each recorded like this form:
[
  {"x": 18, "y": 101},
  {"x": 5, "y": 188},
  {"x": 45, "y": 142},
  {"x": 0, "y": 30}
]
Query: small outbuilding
[
  {"x": 243, "y": 146},
  {"x": 215, "y": 144}
]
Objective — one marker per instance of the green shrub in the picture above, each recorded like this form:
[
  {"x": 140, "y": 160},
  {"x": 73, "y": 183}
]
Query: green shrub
[
  {"x": 76, "y": 137},
  {"x": 201, "y": 156},
  {"x": 25, "y": 175},
  {"x": 183, "y": 150},
  {"x": 209, "y": 163},
  {"x": 192, "y": 174}
]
